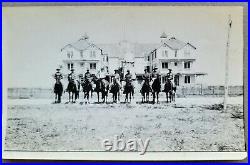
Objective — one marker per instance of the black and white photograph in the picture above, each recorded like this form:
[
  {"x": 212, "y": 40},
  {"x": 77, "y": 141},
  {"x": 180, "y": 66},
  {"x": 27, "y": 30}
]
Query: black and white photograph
[{"x": 104, "y": 81}]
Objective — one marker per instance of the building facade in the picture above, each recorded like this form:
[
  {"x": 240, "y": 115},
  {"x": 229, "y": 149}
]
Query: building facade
[
  {"x": 83, "y": 55},
  {"x": 103, "y": 59},
  {"x": 176, "y": 55}
]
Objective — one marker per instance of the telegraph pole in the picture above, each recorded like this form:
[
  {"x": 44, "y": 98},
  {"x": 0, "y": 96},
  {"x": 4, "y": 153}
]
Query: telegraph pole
[{"x": 227, "y": 62}]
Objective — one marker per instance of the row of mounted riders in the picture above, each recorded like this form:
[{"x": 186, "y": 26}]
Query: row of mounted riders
[{"x": 103, "y": 86}]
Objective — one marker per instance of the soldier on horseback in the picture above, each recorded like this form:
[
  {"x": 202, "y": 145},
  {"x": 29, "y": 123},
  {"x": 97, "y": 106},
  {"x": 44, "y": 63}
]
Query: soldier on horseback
[
  {"x": 146, "y": 76},
  {"x": 155, "y": 73},
  {"x": 58, "y": 88},
  {"x": 128, "y": 77},
  {"x": 72, "y": 84},
  {"x": 170, "y": 75},
  {"x": 145, "y": 86},
  {"x": 129, "y": 88},
  {"x": 87, "y": 76}
]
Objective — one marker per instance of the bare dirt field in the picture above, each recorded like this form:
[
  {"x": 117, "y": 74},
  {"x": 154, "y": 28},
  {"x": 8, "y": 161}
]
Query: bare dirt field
[{"x": 189, "y": 124}]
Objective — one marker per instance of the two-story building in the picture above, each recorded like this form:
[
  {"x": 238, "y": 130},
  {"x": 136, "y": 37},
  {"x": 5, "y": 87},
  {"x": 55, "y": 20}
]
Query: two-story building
[
  {"x": 82, "y": 55},
  {"x": 176, "y": 55}
]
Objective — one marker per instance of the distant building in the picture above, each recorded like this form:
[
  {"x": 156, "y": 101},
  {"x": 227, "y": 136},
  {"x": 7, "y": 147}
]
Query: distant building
[
  {"x": 176, "y": 55},
  {"x": 103, "y": 59},
  {"x": 82, "y": 55},
  {"x": 127, "y": 55}
]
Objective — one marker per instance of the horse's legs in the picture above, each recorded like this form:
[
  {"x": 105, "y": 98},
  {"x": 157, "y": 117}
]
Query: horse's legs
[
  {"x": 55, "y": 97},
  {"x": 153, "y": 97},
  {"x": 69, "y": 96},
  {"x": 130, "y": 95},
  {"x": 98, "y": 96},
  {"x": 118, "y": 95},
  {"x": 59, "y": 98},
  {"x": 167, "y": 96}
]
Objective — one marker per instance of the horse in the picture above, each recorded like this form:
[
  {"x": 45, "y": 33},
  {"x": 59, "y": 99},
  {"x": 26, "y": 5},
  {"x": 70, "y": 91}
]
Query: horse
[
  {"x": 86, "y": 88},
  {"x": 72, "y": 90},
  {"x": 128, "y": 90},
  {"x": 156, "y": 88},
  {"x": 78, "y": 86},
  {"x": 145, "y": 90},
  {"x": 105, "y": 89},
  {"x": 114, "y": 89},
  {"x": 58, "y": 90},
  {"x": 168, "y": 89},
  {"x": 97, "y": 89}
]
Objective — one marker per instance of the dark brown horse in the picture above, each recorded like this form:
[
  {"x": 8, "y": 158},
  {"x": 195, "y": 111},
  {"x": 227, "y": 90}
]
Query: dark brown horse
[
  {"x": 145, "y": 90},
  {"x": 58, "y": 90},
  {"x": 168, "y": 89},
  {"x": 156, "y": 89}
]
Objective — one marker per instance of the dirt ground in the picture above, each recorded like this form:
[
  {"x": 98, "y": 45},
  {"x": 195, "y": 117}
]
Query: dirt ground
[{"x": 189, "y": 124}]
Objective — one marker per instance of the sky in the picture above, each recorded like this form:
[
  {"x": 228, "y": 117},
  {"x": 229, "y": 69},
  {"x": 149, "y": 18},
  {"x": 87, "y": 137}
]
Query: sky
[{"x": 33, "y": 36}]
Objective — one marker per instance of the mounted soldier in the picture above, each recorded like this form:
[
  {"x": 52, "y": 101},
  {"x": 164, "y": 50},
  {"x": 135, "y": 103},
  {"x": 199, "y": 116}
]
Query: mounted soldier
[
  {"x": 88, "y": 76},
  {"x": 58, "y": 87},
  {"x": 156, "y": 85},
  {"x": 129, "y": 88},
  {"x": 146, "y": 89},
  {"x": 72, "y": 85},
  {"x": 117, "y": 78},
  {"x": 170, "y": 75},
  {"x": 146, "y": 76},
  {"x": 87, "y": 86}
]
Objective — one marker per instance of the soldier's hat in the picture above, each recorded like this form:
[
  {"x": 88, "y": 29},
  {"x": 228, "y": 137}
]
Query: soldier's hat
[
  {"x": 72, "y": 69},
  {"x": 116, "y": 70},
  {"x": 128, "y": 70},
  {"x": 58, "y": 69},
  {"x": 145, "y": 69},
  {"x": 170, "y": 69}
]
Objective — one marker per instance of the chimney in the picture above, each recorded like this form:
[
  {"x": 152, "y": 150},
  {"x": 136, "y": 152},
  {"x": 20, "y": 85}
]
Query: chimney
[{"x": 163, "y": 37}]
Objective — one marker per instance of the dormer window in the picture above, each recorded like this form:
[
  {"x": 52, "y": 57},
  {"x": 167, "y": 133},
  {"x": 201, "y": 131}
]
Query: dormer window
[
  {"x": 165, "y": 53},
  {"x": 70, "y": 54},
  {"x": 92, "y": 54},
  {"x": 175, "y": 53},
  {"x": 81, "y": 54}
]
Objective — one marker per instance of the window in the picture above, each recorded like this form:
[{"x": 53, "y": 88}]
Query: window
[
  {"x": 165, "y": 53},
  {"x": 107, "y": 59},
  {"x": 155, "y": 54},
  {"x": 187, "y": 79},
  {"x": 148, "y": 58},
  {"x": 92, "y": 54},
  {"x": 164, "y": 65},
  {"x": 175, "y": 53},
  {"x": 70, "y": 66},
  {"x": 175, "y": 64},
  {"x": 186, "y": 65},
  {"x": 81, "y": 53},
  {"x": 92, "y": 65},
  {"x": 70, "y": 54}
]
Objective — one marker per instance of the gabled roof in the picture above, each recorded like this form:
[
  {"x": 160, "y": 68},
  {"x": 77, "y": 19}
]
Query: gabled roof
[
  {"x": 173, "y": 44},
  {"x": 81, "y": 45}
]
